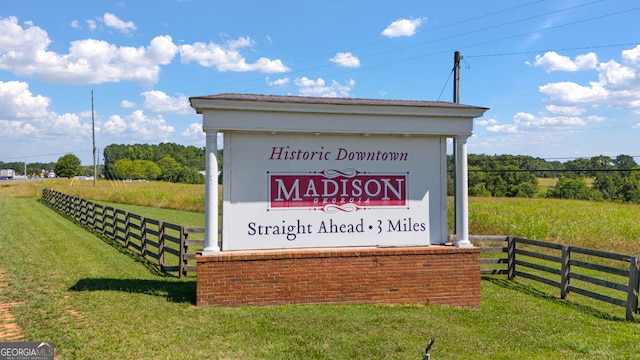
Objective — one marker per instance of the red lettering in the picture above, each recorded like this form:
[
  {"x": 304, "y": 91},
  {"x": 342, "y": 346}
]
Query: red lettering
[{"x": 312, "y": 190}]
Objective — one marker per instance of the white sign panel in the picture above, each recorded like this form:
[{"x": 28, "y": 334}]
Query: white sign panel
[{"x": 301, "y": 191}]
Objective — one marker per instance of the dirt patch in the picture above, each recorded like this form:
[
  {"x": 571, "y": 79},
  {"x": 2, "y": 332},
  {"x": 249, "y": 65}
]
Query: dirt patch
[{"x": 9, "y": 329}]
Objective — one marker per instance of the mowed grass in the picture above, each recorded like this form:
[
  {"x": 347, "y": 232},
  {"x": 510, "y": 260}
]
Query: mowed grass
[{"x": 97, "y": 302}]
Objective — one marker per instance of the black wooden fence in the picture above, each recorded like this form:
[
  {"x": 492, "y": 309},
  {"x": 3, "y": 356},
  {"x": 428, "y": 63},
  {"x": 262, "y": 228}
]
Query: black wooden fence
[
  {"x": 600, "y": 275},
  {"x": 571, "y": 269},
  {"x": 172, "y": 247}
]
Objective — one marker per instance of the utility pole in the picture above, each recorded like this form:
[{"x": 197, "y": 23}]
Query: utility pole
[
  {"x": 456, "y": 77},
  {"x": 93, "y": 130},
  {"x": 456, "y": 99}
]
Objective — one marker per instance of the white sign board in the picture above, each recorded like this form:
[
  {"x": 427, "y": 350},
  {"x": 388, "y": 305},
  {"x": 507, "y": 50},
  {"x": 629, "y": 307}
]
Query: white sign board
[{"x": 303, "y": 190}]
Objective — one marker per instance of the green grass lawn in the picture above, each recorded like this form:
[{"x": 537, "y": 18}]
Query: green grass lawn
[{"x": 95, "y": 301}]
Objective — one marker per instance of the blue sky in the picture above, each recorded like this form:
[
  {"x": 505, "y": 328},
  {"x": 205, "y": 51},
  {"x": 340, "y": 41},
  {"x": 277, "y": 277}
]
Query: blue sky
[{"x": 561, "y": 77}]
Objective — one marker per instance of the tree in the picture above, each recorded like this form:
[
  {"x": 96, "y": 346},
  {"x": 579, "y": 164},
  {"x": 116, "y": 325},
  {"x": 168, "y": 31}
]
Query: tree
[
  {"x": 189, "y": 156},
  {"x": 147, "y": 169},
  {"x": 630, "y": 189},
  {"x": 67, "y": 166},
  {"x": 122, "y": 169},
  {"x": 568, "y": 188},
  {"x": 577, "y": 168},
  {"x": 136, "y": 169},
  {"x": 609, "y": 185},
  {"x": 170, "y": 169},
  {"x": 623, "y": 162},
  {"x": 191, "y": 175}
]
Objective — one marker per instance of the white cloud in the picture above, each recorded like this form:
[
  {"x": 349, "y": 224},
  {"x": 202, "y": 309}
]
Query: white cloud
[
  {"x": 565, "y": 110},
  {"x": 194, "y": 132},
  {"x": 115, "y": 125},
  {"x": 139, "y": 127},
  {"x": 16, "y": 129},
  {"x": 632, "y": 56},
  {"x": 159, "y": 102},
  {"x": 403, "y": 27},
  {"x": 525, "y": 120},
  {"x": 115, "y": 22},
  {"x": 346, "y": 59},
  {"x": 596, "y": 118},
  {"x": 318, "y": 87},
  {"x": 278, "y": 82},
  {"x": 552, "y": 61},
  {"x": 23, "y": 51},
  {"x": 486, "y": 122},
  {"x": 226, "y": 57},
  {"x": 92, "y": 24},
  {"x": 24, "y": 114},
  {"x": 616, "y": 76},
  {"x": 127, "y": 104},
  {"x": 75, "y": 24},
  {"x": 17, "y": 102},
  {"x": 68, "y": 124},
  {"x": 503, "y": 128},
  {"x": 571, "y": 93},
  {"x": 617, "y": 85}
]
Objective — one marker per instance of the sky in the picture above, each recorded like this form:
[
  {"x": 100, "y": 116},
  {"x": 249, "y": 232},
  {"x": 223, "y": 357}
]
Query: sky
[{"x": 561, "y": 78}]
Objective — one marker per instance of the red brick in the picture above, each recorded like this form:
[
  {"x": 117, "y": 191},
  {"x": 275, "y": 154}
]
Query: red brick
[{"x": 439, "y": 275}]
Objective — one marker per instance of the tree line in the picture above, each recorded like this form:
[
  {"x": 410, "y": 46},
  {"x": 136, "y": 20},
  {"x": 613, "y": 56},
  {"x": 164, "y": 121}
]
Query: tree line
[
  {"x": 164, "y": 161},
  {"x": 597, "y": 178}
]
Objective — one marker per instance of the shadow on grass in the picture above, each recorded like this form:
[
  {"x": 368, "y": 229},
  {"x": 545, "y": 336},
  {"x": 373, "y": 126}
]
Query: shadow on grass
[
  {"x": 173, "y": 291},
  {"x": 530, "y": 290}
]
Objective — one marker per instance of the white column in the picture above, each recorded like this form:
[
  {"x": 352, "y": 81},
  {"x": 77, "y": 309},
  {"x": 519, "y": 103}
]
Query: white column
[
  {"x": 211, "y": 196},
  {"x": 462, "y": 195}
]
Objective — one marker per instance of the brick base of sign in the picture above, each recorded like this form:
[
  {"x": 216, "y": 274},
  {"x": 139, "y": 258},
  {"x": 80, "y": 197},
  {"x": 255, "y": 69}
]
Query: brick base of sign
[{"x": 433, "y": 275}]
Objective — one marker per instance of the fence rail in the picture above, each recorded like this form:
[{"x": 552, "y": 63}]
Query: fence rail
[
  {"x": 167, "y": 245},
  {"x": 560, "y": 266},
  {"x": 569, "y": 268}
]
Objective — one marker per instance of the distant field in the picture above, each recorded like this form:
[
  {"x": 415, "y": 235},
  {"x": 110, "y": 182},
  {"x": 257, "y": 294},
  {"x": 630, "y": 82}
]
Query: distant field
[
  {"x": 97, "y": 302},
  {"x": 547, "y": 183},
  {"x": 151, "y": 194}
]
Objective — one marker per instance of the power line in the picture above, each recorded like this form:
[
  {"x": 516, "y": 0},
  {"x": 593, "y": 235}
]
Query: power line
[
  {"x": 558, "y": 49},
  {"x": 324, "y": 56},
  {"x": 442, "y": 39},
  {"x": 445, "y": 84},
  {"x": 550, "y": 170},
  {"x": 43, "y": 155}
]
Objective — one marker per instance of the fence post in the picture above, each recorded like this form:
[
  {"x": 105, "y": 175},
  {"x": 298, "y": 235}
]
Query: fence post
[
  {"x": 511, "y": 257},
  {"x": 76, "y": 208},
  {"x": 632, "y": 289},
  {"x": 161, "y": 244},
  {"x": 183, "y": 251},
  {"x": 126, "y": 228},
  {"x": 143, "y": 236},
  {"x": 103, "y": 220},
  {"x": 565, "y": 271}
]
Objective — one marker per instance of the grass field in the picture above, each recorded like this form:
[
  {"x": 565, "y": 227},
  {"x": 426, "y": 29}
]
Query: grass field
[{"x": 97, "y": 302}]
